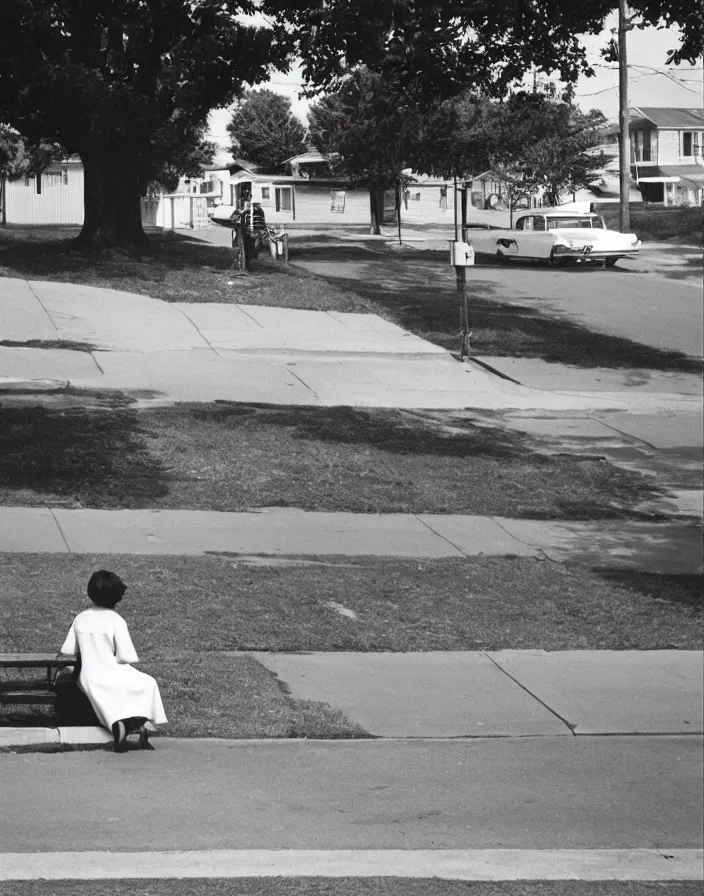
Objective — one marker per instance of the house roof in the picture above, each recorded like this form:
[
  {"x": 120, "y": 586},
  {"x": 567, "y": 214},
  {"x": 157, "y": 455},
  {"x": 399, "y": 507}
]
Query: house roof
[
  {"x": 312, "y": 155},
  {"x": 673, "y": 117},
  {"x": 243, "y": 165}
]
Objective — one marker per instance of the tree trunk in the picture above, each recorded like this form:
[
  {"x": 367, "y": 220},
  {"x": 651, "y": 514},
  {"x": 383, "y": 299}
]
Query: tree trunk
[
  {"x": 376, "y": 208},
  {"x": 113, "y": 215}
]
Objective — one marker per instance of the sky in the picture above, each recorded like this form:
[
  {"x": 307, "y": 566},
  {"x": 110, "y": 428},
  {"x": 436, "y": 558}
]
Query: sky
[{"x": 679, "y": 86}]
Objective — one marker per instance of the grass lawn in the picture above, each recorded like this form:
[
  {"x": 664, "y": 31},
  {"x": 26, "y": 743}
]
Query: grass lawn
[
  {"x": 178, "y": 269},
  {"x": 322, "y": 886},
  {"x": 232, "y": 457},
  {"x": 657, "y": 223},
  {"x": 189, "y": 617}
]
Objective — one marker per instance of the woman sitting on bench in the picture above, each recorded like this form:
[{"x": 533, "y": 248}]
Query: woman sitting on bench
[{"x": 124, "y": 699}]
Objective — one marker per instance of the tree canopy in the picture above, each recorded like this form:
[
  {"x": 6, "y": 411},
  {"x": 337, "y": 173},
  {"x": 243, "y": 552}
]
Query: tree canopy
[
  {"x": 264, "y": 130},
  {"x": 124, "y": 84},
  {"x": 534, "y": 140},
  {"x": 436, "y": 47},
  {"x": 366, "y": 132},
  {"x": 18, "y": 159}
]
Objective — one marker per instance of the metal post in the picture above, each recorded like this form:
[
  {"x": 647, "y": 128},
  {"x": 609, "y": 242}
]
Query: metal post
[
  {"x": 461, "y": 277},
  {"x": 625, "y": 138}
]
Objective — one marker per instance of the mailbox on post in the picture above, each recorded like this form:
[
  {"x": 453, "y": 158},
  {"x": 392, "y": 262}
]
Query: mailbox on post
[{"x": 461, "y": 254}]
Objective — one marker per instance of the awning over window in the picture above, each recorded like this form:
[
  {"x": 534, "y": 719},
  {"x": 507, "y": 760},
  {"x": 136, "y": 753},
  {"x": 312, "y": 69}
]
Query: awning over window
[{"x": 690, "y": 176}]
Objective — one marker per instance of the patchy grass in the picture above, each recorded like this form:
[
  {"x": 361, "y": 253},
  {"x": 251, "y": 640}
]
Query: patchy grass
[
  {"x": 657, "y": 223},
  {"x": 231, "y": 457},
  {"x": 341, "y": 886},
  {"x": 176, "y": 269},
  {"x": 184, "y": 606},
  {"x": 210, "y": 695}
]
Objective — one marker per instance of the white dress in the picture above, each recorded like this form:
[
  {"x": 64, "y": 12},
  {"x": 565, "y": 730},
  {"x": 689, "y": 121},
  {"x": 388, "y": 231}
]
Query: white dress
[{"x": 115, "y": 689}]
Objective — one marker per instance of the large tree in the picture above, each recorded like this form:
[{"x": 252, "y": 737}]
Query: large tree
[
  {"x": 544, "y": 143},
  {"x": 366, "y": 131},
  {"x": 435, "y": 48},
  {"x": 124, "y": 84},
  {"x": 535, "y": 141},
  {"x": 265, "y": 131}
]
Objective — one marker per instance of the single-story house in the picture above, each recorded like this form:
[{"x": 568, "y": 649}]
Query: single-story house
[
  {"x": 313, "y": 199},
  {"x": 53, "y": 196}
]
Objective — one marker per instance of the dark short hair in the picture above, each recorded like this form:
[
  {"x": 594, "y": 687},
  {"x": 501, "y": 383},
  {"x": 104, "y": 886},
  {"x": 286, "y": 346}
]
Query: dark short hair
[{"x": 105, "y": 588}]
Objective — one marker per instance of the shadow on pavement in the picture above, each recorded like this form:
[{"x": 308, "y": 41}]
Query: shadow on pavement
[{"x": 417, "y": 292}]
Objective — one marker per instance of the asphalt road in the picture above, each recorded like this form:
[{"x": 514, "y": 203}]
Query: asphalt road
[
  {"x": 655, "y": 300},
  {"x": 523, "y": 793},
  {"x": 651, "y": 308}
]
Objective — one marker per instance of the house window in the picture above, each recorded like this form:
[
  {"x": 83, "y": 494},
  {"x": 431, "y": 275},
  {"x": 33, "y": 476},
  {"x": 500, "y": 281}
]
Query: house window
[
  {"x": 284, "y": 202},
  {"x": 266, "y": 192},
  {"x": 54, "y": 178},
  {"x": 687, "y": 143},
  {"x": 337, "y": 201}
]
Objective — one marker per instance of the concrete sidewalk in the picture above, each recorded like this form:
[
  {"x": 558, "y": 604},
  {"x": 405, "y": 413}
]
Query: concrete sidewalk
[
  {"x": 669, "y": 548},
  {"x": 476, "y": 694},
  {"x": 167, "y": 352},
  {"x": 507, "y": 693}
]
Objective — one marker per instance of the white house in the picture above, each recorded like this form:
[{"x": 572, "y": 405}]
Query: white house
[
  {"x": 55, "y": 196},
  {"x": 666, "y": 153}
]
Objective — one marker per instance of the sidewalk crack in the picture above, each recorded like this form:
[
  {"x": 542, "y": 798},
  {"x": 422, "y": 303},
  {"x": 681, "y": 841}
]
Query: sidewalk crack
[
  {"x": 302, "y": 382},
  {"x": 528, "y": 544},
  {"x": 571, "y": 725},
  {"x": 61, "y": 531},
  {"x": 44, "y": 308},
  {"x": 439, "y": 535}
]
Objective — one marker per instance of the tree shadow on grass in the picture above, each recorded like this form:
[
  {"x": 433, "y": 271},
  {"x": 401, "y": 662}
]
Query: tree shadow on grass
[
  {"x": 52, "y": 255},
  {"x": 422, "y": 300},
  {"x": 683, "y": 590},
  {"x": 396, "y": 432},
  {"x": 96, "y": 458}
]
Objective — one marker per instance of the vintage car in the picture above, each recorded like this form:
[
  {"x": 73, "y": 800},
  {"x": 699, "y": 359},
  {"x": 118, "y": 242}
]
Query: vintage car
[{"x": 556, "y": 235}]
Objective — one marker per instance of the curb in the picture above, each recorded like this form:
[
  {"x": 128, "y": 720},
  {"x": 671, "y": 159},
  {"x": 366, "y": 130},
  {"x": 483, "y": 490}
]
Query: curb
[
  {"x": 13, "y": 386},
  {"x": 54, "y": 740}
]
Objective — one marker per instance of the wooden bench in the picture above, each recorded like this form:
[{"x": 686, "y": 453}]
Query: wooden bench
[{"x": 37, "y": 691}]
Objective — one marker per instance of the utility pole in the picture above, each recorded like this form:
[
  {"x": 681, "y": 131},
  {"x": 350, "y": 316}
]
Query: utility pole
[{"x": 625, "y": 139}]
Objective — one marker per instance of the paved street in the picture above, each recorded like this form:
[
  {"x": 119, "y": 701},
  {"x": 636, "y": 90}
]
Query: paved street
[{"x": 523, "y": 793}]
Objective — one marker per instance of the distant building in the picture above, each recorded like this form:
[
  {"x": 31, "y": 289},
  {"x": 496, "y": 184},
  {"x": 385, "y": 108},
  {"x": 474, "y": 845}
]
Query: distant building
[
  {"x": 666, "y": 154},
  {"x": 53, "y": 196}
]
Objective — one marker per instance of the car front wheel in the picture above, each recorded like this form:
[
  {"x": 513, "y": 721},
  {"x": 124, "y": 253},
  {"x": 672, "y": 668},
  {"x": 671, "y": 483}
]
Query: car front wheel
[{"x": 555, "y": 260}]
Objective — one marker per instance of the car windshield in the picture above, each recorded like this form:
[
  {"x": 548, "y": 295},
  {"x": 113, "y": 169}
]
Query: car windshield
[{"x": 581, "y": 221}]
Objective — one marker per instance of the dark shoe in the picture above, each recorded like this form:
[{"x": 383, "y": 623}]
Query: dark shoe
[
  {"x": 119, "y": 735},
  {"x": 144, "y": 739}
]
